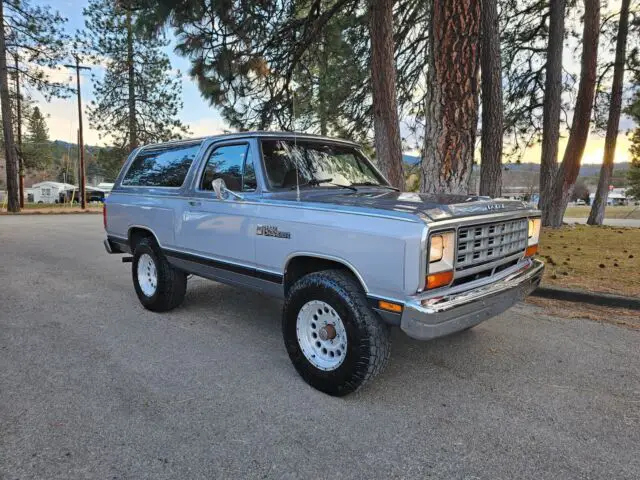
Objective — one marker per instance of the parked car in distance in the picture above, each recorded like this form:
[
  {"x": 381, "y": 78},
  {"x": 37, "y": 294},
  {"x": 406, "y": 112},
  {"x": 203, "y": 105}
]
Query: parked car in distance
[{"x": 311, "y": 220}]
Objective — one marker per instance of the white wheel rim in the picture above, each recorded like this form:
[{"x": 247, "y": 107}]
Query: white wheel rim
[
  {"x": 147, "y": 275},
  {"x": 321, "y": 335}
]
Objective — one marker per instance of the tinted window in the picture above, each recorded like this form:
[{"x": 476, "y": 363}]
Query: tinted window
[
  {"x": 161, "y": 167},
  {"x": 340, "y": 164},
  {"x": 234, "y": 165}
]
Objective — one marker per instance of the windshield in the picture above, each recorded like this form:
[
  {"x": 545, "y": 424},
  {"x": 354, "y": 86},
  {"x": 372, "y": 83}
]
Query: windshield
[{"x": 317, "y": 163}]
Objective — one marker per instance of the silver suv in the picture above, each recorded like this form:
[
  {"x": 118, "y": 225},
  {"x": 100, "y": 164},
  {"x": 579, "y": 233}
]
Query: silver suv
[{"x": 311, "y": 220}]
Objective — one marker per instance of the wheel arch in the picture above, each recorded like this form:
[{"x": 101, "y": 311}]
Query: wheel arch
[
  {"x": 137, "y": 233},
  {"x": 300, "y": 264}
]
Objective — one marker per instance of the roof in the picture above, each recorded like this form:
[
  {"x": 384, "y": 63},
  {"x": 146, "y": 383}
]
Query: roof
[
  {"x": 58, "y": 185},
  {"x": 254, "y": 134}
]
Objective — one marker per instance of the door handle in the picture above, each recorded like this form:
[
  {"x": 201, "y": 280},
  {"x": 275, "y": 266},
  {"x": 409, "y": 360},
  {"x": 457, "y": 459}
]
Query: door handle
[{"x": 195, "y": 203}]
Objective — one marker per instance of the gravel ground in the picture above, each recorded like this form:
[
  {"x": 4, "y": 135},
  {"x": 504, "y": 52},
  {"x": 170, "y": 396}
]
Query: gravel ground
[{"x": 94, "y": 386}]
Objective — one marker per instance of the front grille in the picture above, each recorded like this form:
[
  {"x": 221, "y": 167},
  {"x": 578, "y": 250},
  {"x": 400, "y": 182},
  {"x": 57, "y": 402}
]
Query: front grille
[{"x": 480, "y": 244}]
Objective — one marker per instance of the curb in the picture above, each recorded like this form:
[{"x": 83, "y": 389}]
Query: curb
[{"x": 601, "y": 299}]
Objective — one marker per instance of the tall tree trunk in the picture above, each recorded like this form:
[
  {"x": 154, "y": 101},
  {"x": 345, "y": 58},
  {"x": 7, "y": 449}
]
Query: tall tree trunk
[
  {"x": 552, "y": 102},
  {"x": 570, "y": 167},
  {"x": 451, "y": 101},
  {"x": 386, "y": 124},
  {"x": 133, "y": 132},
  {"x": 596, "y": 216},
  {"x": 492, "y": 109},
  {"x": 13, "y": 203}
]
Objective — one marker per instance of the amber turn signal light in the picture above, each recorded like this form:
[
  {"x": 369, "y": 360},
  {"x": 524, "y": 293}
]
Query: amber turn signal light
[
  {"x": 531, "y": 251},
  {"x": 390, "y": 307},
  {"x": 439, "y": 279}
]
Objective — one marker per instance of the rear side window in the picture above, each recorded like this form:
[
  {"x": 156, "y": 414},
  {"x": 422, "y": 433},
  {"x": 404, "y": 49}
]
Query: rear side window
[{"x": 161, "y": 167}]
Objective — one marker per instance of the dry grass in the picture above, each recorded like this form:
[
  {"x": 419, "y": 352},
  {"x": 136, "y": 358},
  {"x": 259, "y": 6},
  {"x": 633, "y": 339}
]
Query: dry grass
[
  {"x": 57, "y": 210},
  {"x": 601, "y": 259},
  {"x": 614, "y": 316},
  {"x": 632, "y": 212}
]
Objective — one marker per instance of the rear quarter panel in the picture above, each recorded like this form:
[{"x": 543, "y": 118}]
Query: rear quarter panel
[{"x": 154, "y": 211}]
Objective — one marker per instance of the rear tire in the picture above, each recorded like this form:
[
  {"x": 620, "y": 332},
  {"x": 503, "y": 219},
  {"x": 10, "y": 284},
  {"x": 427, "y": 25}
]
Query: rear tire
[
  {"x": 159, "y": 286},
  {"x": 322, "y": 362}
]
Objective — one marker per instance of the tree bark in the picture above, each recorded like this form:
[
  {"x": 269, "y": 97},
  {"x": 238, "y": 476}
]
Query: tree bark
[
  {"x": 386, "y": 124},
  {"x": 492, "y": 108},
  {"x": 596, "y": 216},
  {"x": 552, "y": 102},
  {"x": 451, "y": 100},
  {"x": 133, "y": 137},
  {"x": 13, "y": 202},
  {"x": 570, "y": 167}
]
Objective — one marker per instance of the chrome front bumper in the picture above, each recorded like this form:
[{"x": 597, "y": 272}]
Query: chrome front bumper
[{"x": 436, "y": 314}]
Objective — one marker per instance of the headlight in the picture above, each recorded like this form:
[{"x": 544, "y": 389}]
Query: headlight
[
  {"x": 534, "y": 231},
  {"x": 436, "y": 249},
  {"x": 442, "y": 247},
  {"x": 534, "y": 237}
]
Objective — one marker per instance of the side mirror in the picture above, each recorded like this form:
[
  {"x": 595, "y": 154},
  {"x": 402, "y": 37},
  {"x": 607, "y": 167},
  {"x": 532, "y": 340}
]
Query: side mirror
[
  {"x": 222, "y": 192},
  {"x": 220, "y": 188}
]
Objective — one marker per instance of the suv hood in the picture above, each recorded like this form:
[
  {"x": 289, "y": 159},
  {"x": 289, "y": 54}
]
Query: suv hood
[{"x": 430, "y": 207}]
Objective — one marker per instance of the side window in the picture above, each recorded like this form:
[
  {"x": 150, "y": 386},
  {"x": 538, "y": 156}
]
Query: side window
[
  {"x": 233, "y": 164},
  {"x": 161, "y": 167}
]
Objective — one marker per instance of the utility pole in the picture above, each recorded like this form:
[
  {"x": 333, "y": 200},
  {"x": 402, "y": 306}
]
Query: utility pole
[
  {"x": 19, "y": 139},
  {"x": 79, "y": 67}
]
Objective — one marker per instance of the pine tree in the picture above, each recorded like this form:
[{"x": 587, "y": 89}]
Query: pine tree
[
  {"x": 596, "y": 215},
  {"x": 247, "y": 56},
  {"x": 451, "y": 103},
  {"x": 139, "y": 97},
  {"x": 37, "y": 153},
  {"x": 633, "y": 174},
  {"x": 31, "y": 41},
  {"x": 569, "y": 169}
]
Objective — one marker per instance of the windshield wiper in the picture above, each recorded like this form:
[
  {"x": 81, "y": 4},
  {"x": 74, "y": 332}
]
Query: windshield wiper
[
  {"x": 371, "y": 184},
  {"x": 315, "y": 182}
]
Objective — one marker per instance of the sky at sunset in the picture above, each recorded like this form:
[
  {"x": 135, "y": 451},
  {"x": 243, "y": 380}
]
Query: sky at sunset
[{"x": 205, "y": 120}]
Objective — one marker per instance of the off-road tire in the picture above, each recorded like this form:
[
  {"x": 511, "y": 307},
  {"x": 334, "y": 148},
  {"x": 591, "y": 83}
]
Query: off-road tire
[
  {"x": 171, "y": 282},
  {"x": 368, "y": 337}
]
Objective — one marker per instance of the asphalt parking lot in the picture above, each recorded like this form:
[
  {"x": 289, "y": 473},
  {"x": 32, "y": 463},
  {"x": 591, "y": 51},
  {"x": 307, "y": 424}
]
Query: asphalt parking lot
[{"x": 94, "y": 386}]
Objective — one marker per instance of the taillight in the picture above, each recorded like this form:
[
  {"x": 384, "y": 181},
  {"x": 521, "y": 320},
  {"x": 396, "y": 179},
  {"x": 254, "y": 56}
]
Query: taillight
[{"x": 104, "y": 215}]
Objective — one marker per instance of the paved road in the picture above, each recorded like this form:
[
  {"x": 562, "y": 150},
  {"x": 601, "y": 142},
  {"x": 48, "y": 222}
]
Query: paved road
[
  {"x": 614, "y": 222},
  {"x": 93, "y": 386}
]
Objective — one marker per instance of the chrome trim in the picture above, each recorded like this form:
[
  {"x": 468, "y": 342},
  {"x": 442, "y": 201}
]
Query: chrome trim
[
  {"x": 432, "y": 315},
  {"x": 347, "y": 264},
  {"x": 481, "y": 282},
  {"x": 424, "y": 249},
  {"x": 517, "y": 227},
  {"x": 488, "y": 266},
  {"x": 472, "y": 291},
  {"x": 480, "y": 219}
]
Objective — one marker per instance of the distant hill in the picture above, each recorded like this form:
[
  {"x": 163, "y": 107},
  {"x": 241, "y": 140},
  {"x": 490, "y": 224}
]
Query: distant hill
[{"x": 586, "y": 170}]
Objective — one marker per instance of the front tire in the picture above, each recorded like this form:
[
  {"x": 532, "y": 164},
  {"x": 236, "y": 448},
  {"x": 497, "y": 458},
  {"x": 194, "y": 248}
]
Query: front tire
[
  {"x": 334, "y": 339},
  {"x": 159, "y": 286}
]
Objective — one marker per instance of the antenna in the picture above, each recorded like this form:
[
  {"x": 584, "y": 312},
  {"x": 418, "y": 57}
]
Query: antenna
[{"x": 294, "y": 85}]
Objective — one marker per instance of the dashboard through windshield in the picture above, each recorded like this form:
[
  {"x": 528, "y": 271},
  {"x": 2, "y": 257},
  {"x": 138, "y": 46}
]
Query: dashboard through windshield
[{"x": 316, "y": 163}]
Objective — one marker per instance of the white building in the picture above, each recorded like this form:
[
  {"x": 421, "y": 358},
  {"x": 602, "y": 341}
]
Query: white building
[
  {"x": 50, "y": 192},
  {"x": 617, "y": 196}
]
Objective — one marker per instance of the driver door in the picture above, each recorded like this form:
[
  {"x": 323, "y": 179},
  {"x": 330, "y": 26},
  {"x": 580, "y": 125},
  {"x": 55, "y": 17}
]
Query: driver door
[{"x": 221, "y": 230}]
